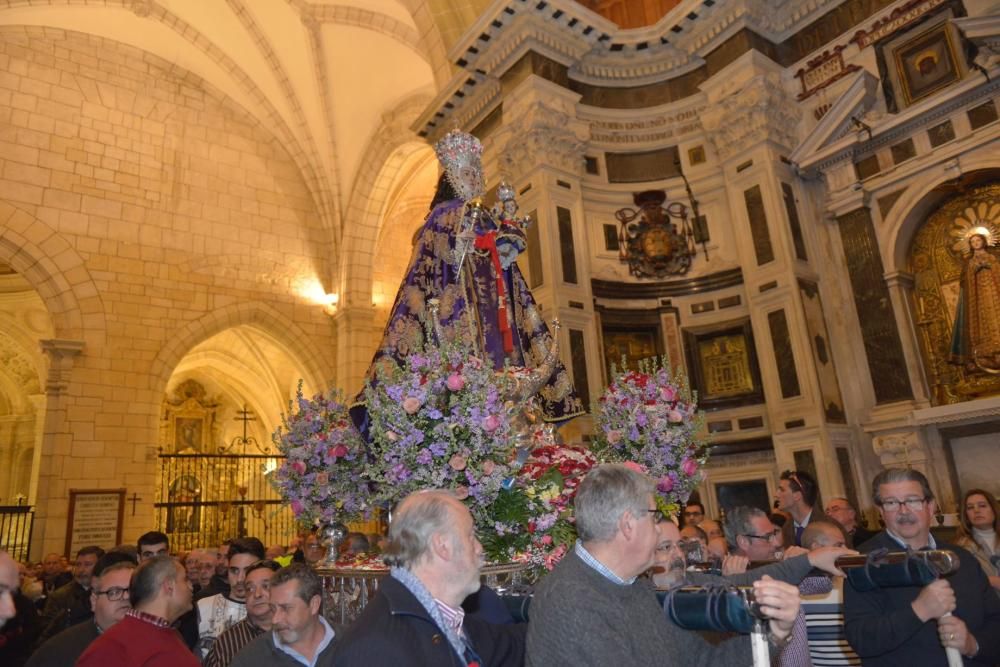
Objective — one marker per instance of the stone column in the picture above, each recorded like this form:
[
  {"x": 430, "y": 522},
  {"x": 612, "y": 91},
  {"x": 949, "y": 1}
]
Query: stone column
[
  {"x": 50, "y": 511},
  {"x": 750, "y": 123},
  {"x": 356, "y": 341}
]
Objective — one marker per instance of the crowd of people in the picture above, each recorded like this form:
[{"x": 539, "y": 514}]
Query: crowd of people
[{"x": 246, "y": 605}]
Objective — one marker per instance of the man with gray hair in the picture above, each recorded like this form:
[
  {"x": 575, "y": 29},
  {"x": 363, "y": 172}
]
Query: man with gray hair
[
  {"x": 594, "y": 610},
  {"x": 912, "y": 625},
  {"x": 416, "y": 618}
]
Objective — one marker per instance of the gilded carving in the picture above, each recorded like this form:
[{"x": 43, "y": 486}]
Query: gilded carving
[{"x": 945, "y": 277}]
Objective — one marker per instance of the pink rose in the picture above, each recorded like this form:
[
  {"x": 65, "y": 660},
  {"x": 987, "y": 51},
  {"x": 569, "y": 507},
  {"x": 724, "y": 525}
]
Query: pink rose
[
  {"x": 632, "y": 465},
  {"x": 668, "y": 393},
  {"x": 461, "y": 492},
  {"x": 322, "y": 479},
  {"x": 296, "y": 507},
  {"x": 675, "y": 416},
  {"x": 299, "y": 467},
  {"x": 411, "y": 404},
  {"x": 546, "y": 539},
  {"x": 491, "y": 423},
  {"x": 488, "y": 467},
  {"x": 614, "y": 437},
  {"x": 455, "y": 382},
  {"x": 338, "y": 452},
  {"x": 457, "y": 462},
  {"x": 690, "y": 467},
  {"x": 665, "y": 485}
]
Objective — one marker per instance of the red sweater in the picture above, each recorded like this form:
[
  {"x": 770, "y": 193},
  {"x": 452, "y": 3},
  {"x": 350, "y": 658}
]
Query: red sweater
[{"x": 135, "y": 643}]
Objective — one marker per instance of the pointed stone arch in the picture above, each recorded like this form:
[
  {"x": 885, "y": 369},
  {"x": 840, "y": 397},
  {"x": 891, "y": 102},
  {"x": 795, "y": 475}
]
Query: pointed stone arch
[
  {"x": 56, "y": 271},
  {"x": 256, "y": 314}
]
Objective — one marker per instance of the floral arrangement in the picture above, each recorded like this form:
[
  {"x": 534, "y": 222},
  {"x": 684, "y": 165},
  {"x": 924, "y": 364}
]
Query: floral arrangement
[
  {"x": 648, "y": 417},
  {"x": 323, "y": 476},
  {"x": 533, "y": 519},
  {"x": 438, "y": 421}
]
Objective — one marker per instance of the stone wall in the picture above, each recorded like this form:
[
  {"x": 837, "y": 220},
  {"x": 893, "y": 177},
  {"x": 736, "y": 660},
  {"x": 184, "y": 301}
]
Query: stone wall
[{"x": 149, "y": 212}]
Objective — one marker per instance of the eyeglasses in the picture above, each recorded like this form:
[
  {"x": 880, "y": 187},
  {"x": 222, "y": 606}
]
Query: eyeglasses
[
  {"x": 773, "y": 535},
  {"x": 892, "y": 505},
  {"x": 115, "y": 593},
  {"x": 693, "y": 513},
  {"x": 658, "y": 516}
]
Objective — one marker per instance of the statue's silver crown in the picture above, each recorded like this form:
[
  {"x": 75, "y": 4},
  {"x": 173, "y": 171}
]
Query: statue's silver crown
[{"x": 458, "y": 149}]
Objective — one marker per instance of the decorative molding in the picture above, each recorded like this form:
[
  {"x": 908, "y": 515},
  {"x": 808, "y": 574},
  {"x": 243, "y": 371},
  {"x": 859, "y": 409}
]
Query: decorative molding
[
  {"x": 611, "y": 289},
  {"x": 62, "y": 355},
  {"x": 758, "y": 112},
  {"x": 18, "y": 366},
  {"x": 984, "y": 32}
]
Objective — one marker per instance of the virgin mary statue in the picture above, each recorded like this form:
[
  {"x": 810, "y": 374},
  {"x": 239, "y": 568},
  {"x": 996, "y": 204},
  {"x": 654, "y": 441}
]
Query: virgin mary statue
[
  {"x": 975, "y": 339},
  {"x": 463, "y": 256}
]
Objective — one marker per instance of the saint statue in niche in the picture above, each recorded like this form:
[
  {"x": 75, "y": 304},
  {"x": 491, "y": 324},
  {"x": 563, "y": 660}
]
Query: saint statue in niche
[
  {"x": 975, "y": 342},
  {"x": 186, "y": 517},
  {"x": 464, "y": 256}
]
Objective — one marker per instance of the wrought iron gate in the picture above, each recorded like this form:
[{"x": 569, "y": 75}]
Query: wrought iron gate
[{"x": 204, "y": 499}]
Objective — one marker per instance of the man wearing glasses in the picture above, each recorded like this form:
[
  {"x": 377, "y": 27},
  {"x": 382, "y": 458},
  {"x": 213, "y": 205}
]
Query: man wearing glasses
[
  {"x": 912, "y": 625},
  {"x": 751, "y": 534},
  {"x": 109, "y": 597},
  {"x": 593, "y": 609},
  {"x": 693, "y": 514}
]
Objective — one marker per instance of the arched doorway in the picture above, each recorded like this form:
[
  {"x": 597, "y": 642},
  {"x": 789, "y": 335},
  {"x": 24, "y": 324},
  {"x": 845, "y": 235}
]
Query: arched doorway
[
  {"x": 223, "y": 401},
  {"x": 24, "y": 321}
]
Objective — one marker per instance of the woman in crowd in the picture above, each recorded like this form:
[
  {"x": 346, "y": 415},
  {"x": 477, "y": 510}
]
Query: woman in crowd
[{"x": 977, "y": 532}]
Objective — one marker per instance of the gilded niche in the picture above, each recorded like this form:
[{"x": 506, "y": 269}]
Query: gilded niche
[{"x": 955, "y": 261}]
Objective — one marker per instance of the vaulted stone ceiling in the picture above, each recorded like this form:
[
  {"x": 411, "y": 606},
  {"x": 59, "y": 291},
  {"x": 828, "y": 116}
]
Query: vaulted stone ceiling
[{"x": 322, "y": 75}]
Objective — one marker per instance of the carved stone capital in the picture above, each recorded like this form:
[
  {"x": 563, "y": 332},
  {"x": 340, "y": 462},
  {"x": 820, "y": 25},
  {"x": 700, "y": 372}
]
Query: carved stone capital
[
  {"x": 899, "y": 449},
  {"x": 542, "y": 134},
  {"x": 757, "y": 112},
  {"x": 62, "y": 355}
]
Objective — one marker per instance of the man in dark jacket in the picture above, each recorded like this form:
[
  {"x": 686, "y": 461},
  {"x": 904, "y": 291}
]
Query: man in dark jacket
[
  {"x": 912, "y": 625},
  {"x": 70, "y": 604},
  {"x": 109, "y": 596},
  {"x": 416, "y": 617}
]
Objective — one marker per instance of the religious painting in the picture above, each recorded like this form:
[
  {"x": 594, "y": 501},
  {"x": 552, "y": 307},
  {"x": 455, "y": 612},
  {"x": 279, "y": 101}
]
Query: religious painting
[
  {"x": 628, "y": 347},
  {"x": 723, "y": 364},
  {"x": 921, "y": 61},
  {"x": 927, "y": 63},
  {"x": 187, "y": 434},
  {"x": 184, "y": 497},
  {"x": 955, "y": 260}
]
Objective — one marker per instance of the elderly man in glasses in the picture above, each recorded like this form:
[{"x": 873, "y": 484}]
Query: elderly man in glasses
[
  {"x": 593, "y": 609},
  {"x": 109, "y": 597},
  {"x": 912, "y": 625}
]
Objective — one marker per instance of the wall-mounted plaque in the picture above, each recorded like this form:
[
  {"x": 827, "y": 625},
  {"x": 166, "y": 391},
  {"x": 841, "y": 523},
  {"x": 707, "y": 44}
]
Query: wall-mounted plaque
[{"x": 95, "y": 519}]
